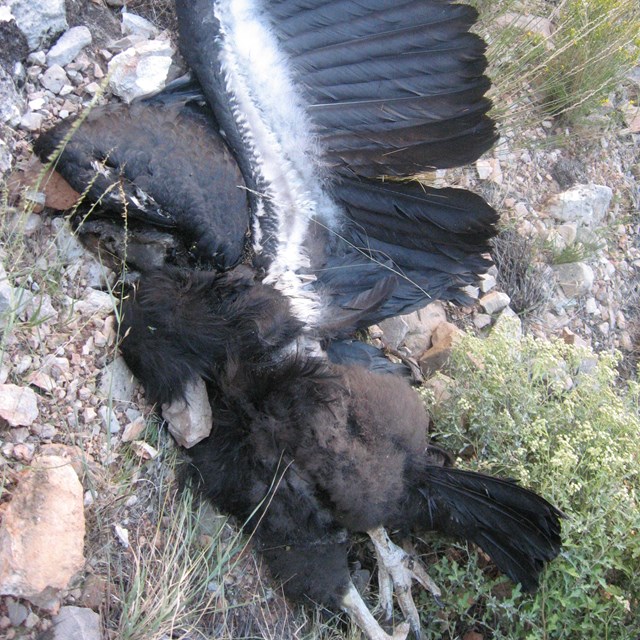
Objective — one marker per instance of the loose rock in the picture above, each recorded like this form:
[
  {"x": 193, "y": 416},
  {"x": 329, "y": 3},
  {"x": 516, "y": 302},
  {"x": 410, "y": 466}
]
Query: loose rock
[
  {"x": 46, "y": 506},
  {"x": 575, "y": 278},
  {"x": 39, "y": 20},
  {"x": 137, "y": 25},
  {"x": 494, "y": 301},
  {"x": 140, "y": 70},
  {"x": 11, "y": 103},
  {"x": 68, "y": 46},
  {"x": 75, "y": 623},
  {"x": 54, "y": 78},
  {"x": 18, "y": 405},
  {"x": 190, "y": 420},
  {"x": 585, "y": 204},
  {"x": 117, "y": 382}
]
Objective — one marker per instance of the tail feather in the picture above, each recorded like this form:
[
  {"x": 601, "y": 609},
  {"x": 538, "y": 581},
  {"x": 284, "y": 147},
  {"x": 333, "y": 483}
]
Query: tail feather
[{"x": 519, "y": 529}]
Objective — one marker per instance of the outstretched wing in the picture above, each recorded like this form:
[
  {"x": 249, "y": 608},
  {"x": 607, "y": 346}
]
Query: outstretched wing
[
  {"x": 394, "y": 88},
  {"x": 310, "y": 92}
]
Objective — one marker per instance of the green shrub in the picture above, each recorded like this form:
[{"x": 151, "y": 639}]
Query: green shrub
[{"x": 550, "y": 416}]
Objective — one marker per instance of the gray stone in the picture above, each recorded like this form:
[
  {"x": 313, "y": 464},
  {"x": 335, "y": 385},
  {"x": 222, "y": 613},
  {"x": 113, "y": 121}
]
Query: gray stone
[
  {"x": 69, "y": 248},
  {"x": 68, "y": 46},
  {"x": 133, "y": 24},
  {"x": 95, "y": 273},
  {"x": 422, "y": 325},
  {"x": 18, "y": 405},
  {"x": 575, "y": 278},
  {"x": 6, "y": 153},
  {"x": 109, "y": 419},
  {"x": 487, "y": 282},
  {"x": 591, "y": 306},
  {"x": 568, "y": 232},
  {"x": 413, "y": 331},
  {"x": 39, "y": 20},
  {"x": 37, "y": 57},
  {"x": 31, "y": 121},
  {"x": 117, "y": 382},
  {"x": 481, "y": 320},
  {"x": 141, "y": 69},
  {"x": 39, "y": 309},
  {"x": 54, "y": 78},
  {"x": 16, "y": 611},
  {"x": 394, "y": 331},
  {"x": 7, "y": 294},
  {"x": 494, "y": 301},
  {"x": 472, "y": 291},
  {"x": 75, "y": 623},
  {"x": 190, "y": 420},
  {"x": 11, "y": 103},
  {"x": 95, "y": 302},
  {"x": 584, "y": 204}
]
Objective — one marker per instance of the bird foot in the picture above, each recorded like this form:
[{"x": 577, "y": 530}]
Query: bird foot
[
  {"x": 354, "y": 605},
  {"x": 396, "y": 571}
]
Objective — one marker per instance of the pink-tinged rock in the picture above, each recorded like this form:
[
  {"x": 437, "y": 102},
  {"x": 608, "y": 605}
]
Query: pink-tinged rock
[
  {"x": 18, "y": 405},
  {"x": 42, "y": 533},
  {"x": 443, "y": 339}
]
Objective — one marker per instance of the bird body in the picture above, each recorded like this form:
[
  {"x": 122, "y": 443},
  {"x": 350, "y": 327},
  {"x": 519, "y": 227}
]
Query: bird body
[
  {"x": 298, "y": 108},
  {"x": 305, "y": 452},
  {"x": 312, "y": 101},
  {"x": 312, "y": 107}
]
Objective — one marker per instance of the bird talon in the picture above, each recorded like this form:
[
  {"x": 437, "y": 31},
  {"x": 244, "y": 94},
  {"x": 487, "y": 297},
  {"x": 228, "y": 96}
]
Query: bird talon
[
  {"x": 353, "y": 604},
  {"x": 396, "y": 571}
]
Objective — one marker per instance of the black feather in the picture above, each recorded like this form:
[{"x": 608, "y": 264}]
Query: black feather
[{"x": 516, "y": 527}]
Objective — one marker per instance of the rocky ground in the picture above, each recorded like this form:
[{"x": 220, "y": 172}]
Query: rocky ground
[{"x": 76, "y": 458}]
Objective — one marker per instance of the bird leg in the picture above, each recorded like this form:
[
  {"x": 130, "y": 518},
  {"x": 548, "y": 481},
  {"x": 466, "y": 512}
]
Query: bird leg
[
  {"x": 354, "y": 605},
  {"x": 397, "y": 570}
]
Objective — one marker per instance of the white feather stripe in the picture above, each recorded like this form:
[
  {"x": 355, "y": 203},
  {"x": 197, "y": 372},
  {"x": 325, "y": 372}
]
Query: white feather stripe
[{"x": 278, "y": 137}]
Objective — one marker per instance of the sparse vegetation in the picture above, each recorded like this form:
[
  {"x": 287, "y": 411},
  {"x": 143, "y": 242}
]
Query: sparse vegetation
[
  {"x": 557, "y": 59},
  {"x": 552, "y": 417},
  {"x": 575, "y": 252}
]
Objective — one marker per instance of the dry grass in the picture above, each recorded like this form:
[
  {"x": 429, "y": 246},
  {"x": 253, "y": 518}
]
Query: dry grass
[
  {"x": 521, "y": 274},
  {"x": 557, "y": 59}
]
